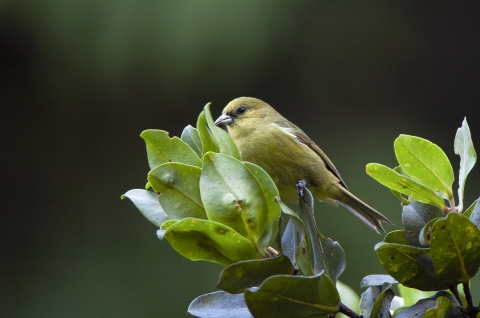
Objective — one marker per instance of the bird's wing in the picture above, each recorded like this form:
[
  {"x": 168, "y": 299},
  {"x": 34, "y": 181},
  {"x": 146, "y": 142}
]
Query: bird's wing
[{"x": 303, "y": 138}]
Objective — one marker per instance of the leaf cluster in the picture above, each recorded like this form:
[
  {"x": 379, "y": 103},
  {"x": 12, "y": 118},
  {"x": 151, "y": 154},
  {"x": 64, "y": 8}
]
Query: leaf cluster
[
  {"x": 439, "y": 246},
  {"x": 210, "y": 205}
]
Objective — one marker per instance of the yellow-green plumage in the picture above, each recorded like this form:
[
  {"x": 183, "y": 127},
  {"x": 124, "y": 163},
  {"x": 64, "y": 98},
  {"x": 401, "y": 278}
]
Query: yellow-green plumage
[{"x": 288, "y": 155}]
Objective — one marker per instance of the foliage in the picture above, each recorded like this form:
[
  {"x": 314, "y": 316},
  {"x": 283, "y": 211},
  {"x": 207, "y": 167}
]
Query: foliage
[{"x": 212, "y": 206}]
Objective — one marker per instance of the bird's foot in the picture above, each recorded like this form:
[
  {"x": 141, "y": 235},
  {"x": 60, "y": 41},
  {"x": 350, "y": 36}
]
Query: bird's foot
[{"x": 300, "y": 189}]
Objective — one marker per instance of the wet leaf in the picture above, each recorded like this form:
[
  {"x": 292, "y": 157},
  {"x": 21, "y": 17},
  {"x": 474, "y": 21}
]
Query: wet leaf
[
  {"x": 219, "y": 305},
  {"x": 293, "y": 296},
  {"x": 191, "y": 137},
  {"x": 210, "y": 241},
  {"x": 403, "y": 184},
  {"x": 426, "y": 163},
  {"x": 463, "y": 147},
  {"x": 455, "y": 246},
  {"x": 147, "y": 203},
  {"x": 239, "y": 276},
  {"x": 178, "y": 188},
  {"x": 162, "y": 149}
]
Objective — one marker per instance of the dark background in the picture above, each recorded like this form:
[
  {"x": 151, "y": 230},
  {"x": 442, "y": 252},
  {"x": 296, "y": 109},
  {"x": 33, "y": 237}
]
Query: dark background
[{"x": 79, "y": 81}]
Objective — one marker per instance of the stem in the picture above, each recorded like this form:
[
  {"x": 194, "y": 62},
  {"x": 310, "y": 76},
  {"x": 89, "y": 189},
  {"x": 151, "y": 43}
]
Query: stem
[
  {"x": 471, "y": 309},
  {"x": 468, "y": 296},
  {"x": 451, "y": 201},
  {"x": 455, "y": 293},
  {"x": 347, "y": 311}
]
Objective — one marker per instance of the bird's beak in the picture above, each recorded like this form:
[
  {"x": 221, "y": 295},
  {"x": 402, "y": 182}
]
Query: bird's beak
[{"x": 225, "y": 119}]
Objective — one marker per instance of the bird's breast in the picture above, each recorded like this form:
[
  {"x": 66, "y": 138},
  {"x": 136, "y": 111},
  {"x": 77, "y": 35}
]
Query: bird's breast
[{"x": 286, "y": 160}]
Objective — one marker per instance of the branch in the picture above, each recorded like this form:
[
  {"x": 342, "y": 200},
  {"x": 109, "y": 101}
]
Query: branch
[{"x": 347, "y": 311}]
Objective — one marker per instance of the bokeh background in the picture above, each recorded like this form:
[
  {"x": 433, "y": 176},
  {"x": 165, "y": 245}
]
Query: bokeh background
[{"x": 79, "y": 81}]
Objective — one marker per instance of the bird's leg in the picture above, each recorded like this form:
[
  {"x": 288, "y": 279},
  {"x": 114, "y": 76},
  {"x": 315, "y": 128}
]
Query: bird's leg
[{"x": 300, "y": 187}]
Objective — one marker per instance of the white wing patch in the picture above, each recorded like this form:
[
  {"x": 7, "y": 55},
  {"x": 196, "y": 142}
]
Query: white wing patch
[{"x": 289, "y": 132}]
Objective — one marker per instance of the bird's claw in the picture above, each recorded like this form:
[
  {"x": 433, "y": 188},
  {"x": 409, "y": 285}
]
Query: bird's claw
[{"x": 300, "y": 189}]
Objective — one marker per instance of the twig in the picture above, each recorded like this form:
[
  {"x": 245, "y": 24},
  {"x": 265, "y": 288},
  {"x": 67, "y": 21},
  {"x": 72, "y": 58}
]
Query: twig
[
  {"x": 347, "y": 311},
  {"x": 454, "y": 290},
  {"x": 472, "y": 310}
]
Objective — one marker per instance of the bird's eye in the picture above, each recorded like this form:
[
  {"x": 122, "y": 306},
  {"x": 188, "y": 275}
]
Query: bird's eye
[{"x": 241, "y": 110}]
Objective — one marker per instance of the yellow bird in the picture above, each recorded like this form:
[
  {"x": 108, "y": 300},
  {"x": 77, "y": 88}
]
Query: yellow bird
[{"x": 290, "y": 157}]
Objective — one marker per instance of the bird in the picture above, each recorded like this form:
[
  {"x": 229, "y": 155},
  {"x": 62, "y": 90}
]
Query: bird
[{"x": 266, "y": 138}]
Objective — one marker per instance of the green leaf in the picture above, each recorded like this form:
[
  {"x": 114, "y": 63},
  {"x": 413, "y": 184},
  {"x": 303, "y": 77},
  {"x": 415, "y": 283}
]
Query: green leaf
[
  {"x": 299, "y": 225},
  {"x": 381, "y": 308},
  {"x": 367, "y": 300},
  {"x": 162, "y": 149},
  {"x": 191, "y": 137},
  {"x": 426, "y": 163},
  {"x": 397, "y": 236},
  {"x": 299, "y": 250},
  {"x": 403, "y": 184},
  {"x": 423, "y": 305},
  {"x": 210, "y": 241},
  {"x": 303, "y": 258},
  {"x": 328, "y": 255},
  {"x": 178, "y": 187},
  {"x": 463, "y": 147},
  {"x": 306, "y": 214},
  {"x": 470, "y": 209},
  {"x": 473, "y": 213},
  {"x": 147, "y": 203},
  {"x": 239, "y": 276},
  {"x": 409, "y": 265},
  {"x": 293, "y": 296},
  {"x": 219, "y": 304},
  {"x": 291, "y": 241},
  {"x": 442, "y": 309},
  {"x": 221, "y": 137},
  {"x": 425, "y": 233},
  {"x": 208, "y": 142},
  {"x": 455, "y": 247},
  {"x": 348, "y": 296},
  {"x": 164, "y": 227},
  {"x": 270, "y": 192},
  {"x": 414, "y": 217},
  {"x": 411, "y": 295},
  {"x": 402, "y": 199},
  {"x": 233, "y": 196},
  {"x": 377, "y": 280}
]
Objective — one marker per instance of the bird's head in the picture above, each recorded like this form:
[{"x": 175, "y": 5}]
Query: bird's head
[{"x": 245, "y": 112}]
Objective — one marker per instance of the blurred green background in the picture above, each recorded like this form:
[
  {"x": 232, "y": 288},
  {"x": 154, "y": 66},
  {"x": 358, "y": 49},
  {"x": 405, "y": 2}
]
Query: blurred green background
[{"x": 79, "y": 81}]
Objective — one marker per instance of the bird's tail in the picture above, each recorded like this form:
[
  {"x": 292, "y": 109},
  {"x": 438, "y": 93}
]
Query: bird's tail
[{"x": 371, "y": 217}]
